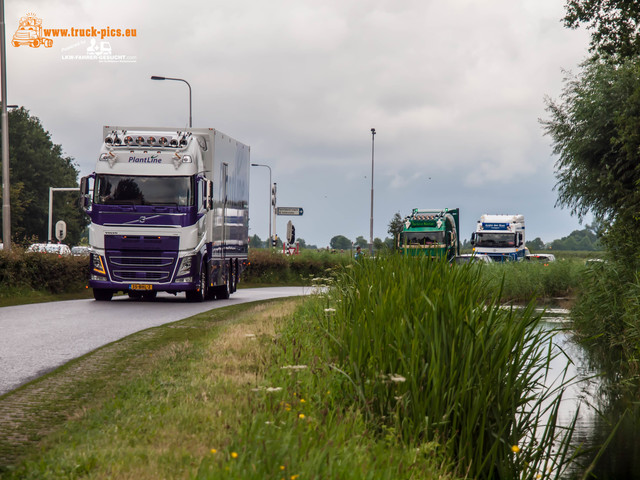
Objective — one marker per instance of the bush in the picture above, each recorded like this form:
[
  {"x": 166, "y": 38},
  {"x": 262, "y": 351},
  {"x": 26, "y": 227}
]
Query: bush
[
  {"x": 266, "y": 266},
  {"x": 42, "y": 271}
]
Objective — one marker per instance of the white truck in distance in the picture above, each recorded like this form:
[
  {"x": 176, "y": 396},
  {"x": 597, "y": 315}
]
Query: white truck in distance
[
  {"x": 500, "y": 236},
  {"x": 169, "y": 212}
]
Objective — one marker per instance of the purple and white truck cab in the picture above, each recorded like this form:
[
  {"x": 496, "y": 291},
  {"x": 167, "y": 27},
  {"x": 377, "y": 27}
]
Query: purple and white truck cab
[{"x": 169, "y": 212}]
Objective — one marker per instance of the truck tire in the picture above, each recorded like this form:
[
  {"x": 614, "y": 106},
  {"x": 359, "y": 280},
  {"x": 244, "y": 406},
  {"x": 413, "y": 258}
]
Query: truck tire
[
  {"x": 102, "y": 294},
  {"x": 203, "y": 286},
  {"x": 223, "y": 291}
]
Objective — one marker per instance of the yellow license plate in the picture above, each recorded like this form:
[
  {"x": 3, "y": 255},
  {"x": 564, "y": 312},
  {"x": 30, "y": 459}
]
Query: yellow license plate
[{"x": 141, "y": 286}]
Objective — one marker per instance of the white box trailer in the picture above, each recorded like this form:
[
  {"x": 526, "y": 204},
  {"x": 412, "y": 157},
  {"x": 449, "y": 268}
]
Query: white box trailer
[{"x": 169, "y": 212}]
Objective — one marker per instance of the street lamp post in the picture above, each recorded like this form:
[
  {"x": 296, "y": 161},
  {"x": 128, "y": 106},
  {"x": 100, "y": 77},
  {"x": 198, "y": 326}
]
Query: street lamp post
[
  {"x": 4, "y": 124},
  {"x": 373, "y": 135},
  {"x": 270, "y": 184},
  {"x": 155, "y": 77}
]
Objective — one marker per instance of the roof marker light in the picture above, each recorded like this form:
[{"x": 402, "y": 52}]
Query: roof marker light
[
  {"x": 163, "y": 141},
  {"x": 108, "y": 141},
  {"x": 151, "y": 140},
  {"x": 173, "y": 142},
  {"x": 140, "y": 140},
  {"x": 128, "y": 139}
]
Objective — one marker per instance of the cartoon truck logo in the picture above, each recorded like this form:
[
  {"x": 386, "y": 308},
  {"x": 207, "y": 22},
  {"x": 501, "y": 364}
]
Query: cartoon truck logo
[{"x": 30, "y": 33}]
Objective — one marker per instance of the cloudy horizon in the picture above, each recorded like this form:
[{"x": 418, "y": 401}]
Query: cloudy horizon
[{"x": 454, "y": 90}]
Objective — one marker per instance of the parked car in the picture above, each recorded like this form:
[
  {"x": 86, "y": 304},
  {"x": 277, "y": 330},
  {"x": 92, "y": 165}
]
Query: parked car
[
  {"x": 55, "y": 248},
  {"x": 80, "y": 251},
  {"x": 473, "y": 258},
  {"x": 540, "y": 257}
]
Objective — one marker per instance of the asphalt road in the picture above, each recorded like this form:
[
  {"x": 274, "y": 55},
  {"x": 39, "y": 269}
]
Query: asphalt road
[{"x": 35, "y": 339}]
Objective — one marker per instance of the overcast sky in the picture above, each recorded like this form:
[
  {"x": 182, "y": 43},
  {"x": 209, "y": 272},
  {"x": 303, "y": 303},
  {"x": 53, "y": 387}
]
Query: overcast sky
[{"x": 455, "y": 90}]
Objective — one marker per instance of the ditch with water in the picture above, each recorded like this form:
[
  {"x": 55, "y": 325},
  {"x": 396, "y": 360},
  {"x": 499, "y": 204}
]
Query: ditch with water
[{"x": 605, "y": 413}]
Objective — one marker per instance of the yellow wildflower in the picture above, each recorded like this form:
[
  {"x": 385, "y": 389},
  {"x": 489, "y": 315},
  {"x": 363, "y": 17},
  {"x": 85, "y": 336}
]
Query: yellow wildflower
[
  {"x": 515, "y": 448},
  {"x": 281, "y": 467},
  {"x": 213, "y": 450},
  {"x": 301, "y": 415},
  {"x": 234, "y": 455}
]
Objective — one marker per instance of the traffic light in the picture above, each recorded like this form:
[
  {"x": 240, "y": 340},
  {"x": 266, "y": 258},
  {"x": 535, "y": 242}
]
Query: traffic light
[
  {"x": 274, "y": 241},
  {"x": 273, "y": 194},
  {"x": 291, "y": 233}
]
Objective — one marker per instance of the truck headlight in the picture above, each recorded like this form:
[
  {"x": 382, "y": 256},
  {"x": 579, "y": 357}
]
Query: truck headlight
[
  {"x": 98, "y": 266},
  {"x": 185, "y": 266}
]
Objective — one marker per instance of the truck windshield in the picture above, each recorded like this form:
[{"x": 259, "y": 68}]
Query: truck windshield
[
  {"x": 138, "y": 190},
  {"x": 495, "y": 240},
  {"x": 422, "y": 238}
]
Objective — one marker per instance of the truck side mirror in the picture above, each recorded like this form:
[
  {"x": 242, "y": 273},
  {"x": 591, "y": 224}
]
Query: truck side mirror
[
  {"x": 473, "y": 239},
  {"x": 520, "y": 242},
  {"x": 209, "y": 195},
  {"x": 84, "y": 193}
]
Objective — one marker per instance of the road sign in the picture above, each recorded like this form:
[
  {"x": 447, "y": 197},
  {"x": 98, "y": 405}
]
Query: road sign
[{"x": 289, "y": 211}]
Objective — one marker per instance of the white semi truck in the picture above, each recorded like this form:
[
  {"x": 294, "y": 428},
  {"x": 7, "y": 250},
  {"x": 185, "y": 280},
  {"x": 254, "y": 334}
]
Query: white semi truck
[
  {"x": 169, "y": 212},
  {"x": 500, "y": 236}
]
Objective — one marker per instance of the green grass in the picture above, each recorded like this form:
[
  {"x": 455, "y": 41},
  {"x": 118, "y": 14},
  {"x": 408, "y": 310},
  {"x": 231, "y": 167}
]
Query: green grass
[
  {"x": 186, "y": 400},
  {"x": 22, "y": 295},
  {"x": 526, "y": 281},
  {"x": 405, "y": 368},
  {"x": 424, "y": 349}
]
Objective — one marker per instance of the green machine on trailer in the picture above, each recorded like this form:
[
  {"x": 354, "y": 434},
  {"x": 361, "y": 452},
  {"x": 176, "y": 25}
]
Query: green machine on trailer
[{"x": 432, "y": 232}]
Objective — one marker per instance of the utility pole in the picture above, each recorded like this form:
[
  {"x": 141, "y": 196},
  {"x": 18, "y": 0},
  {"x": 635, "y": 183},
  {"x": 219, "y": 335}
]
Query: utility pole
[{"x": 373, "y": 136}]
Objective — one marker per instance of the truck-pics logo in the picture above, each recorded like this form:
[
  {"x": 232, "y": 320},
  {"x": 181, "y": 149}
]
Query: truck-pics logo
[
  {"x": 30, "y": 33},
  {"x": 151, "y": 159},
  {"x": 92, "y": 42}
]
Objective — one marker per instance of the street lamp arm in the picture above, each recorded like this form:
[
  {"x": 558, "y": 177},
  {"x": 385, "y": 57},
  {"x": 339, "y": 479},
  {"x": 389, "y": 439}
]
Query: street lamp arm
[{"x": 157, "y": 77}]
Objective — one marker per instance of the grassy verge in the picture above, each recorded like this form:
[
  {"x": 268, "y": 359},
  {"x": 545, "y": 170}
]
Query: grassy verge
[
  {"x": 17, "y": 295},
  {"x": 189, "y": 400}
]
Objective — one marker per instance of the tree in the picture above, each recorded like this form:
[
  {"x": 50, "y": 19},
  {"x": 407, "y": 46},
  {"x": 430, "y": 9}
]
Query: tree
[
  {"x": 361, "y": 242},
  {"x": 340, "y": 242},
  {"x": 395, "y": 228},
  {"x": 581, "y": 240},
  {"x": 535, "y": 244},
  {"x": 256, "y": 242},
  {"x": 596, "y": 133},
  {"x": 615, "y": 25},
  {"x": 35, "y": 165},
  {"x": 378, "y": 244}
]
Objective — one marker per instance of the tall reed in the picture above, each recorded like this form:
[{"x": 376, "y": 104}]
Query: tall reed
[{"x": 429, "y": 353}]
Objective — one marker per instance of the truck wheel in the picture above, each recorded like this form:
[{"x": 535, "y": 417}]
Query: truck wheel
[
  {"x": 102, "y": 294},
  {"x": 201, "y": 293}
]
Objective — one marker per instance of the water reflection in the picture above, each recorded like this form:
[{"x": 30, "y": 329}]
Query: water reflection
[{"x": 600, "y": 405}]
